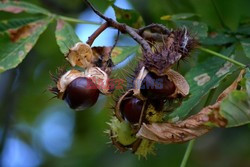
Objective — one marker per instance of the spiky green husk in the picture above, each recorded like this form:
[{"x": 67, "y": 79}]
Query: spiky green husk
[
  {"x": 122, "y": 132},
  {"x": 146, "y": 147}
]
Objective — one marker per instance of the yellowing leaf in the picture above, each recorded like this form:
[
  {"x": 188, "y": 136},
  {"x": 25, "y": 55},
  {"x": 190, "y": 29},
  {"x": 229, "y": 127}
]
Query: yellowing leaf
[{"x": 16, "y": 43}]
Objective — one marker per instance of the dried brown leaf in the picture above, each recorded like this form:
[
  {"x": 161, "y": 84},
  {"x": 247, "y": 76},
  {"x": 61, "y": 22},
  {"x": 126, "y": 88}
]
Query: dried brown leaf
[
  {"x": 176, "y": 132},
  {"x": 60, "y": 24},
  {"x": 24, "y": 31}
]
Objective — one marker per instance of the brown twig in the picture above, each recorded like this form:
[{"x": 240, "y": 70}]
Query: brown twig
[
  {"x": 153, "y": 36},
  {"x": 123, "y": 28},
  {"x": 92, "y": 38},
  {"x": 116, "y": 40},
  {"x": 161, "y": 28}
]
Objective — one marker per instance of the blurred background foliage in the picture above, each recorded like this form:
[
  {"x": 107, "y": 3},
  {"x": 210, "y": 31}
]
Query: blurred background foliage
[{"x": 45, "y": 132}]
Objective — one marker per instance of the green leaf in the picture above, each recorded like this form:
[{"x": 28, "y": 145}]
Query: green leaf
[
  {"x": 16, "y": 23},
  {"x": 119, "y": 54},
  {"x": 244, "y": 29},
  {"x": 180, "y": 16},
  {"x": 217, "y": 39},
  {"x": 236, "y": 108},
  {"x": 197, "y": 28},
  {"x": 129, "y": 17},
  {"x": 246, "y": 47},
  {"x": 16, "y": 43},
  {"x": 247, "y": 77},
  {"x": 19, "y": 6},
  {"x": 202, "y": 78},
  {"x": 65, "y": 36}
]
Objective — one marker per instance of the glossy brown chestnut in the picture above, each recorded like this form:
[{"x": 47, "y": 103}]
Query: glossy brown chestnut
[
  {"x": 157, "y": 87},
  {"x": 81, "y": 93},
  {"x": 131, "y": 109}
]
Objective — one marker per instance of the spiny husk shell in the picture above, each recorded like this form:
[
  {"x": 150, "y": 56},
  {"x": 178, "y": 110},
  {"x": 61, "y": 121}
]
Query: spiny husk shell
[
  {"x": 66, "y": 79},
  {"x": 99, "y": 78},
  {"x": 121, "y": 132},
  {"x": 81, "y": 55},
  {"x": 182, "y": 86},
  {"x": 123, "y": 138},
  {"x": 138, "y": 81},
  {"x": 176, "y": 46},
  {"x": 103, "y": 61},
  {"x": 118, "y": 104}
]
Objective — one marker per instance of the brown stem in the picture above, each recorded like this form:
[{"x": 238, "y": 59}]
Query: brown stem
[
  {"x": 92, "y": 38},
  {"x": 116, "y": 40},
  {"x": 153, "y": 36},
  {"x": 159, "y": 27},
  {"x": 124, "y": 29}
]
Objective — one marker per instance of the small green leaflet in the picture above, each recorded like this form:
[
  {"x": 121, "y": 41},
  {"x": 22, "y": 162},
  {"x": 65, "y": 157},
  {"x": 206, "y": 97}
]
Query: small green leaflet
[
  {"x": 236, "y": 107},
  {"x": 16, "y": 43},
  {"x": 197, "y": 28},
  {"x": 217, "y": 39},
  {"x": 119, "y": 54},
  {"x": 246, "y": 47},
  {"x": 202, "y": 79},
  {"x": 129, "y": 17},
  {"x": 65, "y": 36},
  {"x": 19, "y": 6},
  {"x": 244, "y": 29}
]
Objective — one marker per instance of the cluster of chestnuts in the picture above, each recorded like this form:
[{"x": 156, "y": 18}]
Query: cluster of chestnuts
[
  {"x": 81, "y": 89},
  {"x": 155, "y": 84}
]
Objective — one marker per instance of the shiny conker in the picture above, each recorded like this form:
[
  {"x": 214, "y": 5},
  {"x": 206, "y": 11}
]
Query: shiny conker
[
  {"x": 157, "y": 87},
  {"x": 81, "y": 93},
  {"x": 131, "y": 108}
]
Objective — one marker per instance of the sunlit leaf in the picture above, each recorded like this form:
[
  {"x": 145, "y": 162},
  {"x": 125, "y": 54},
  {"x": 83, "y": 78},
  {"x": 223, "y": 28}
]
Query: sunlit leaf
[
  {"x": 197, "y": 28},
  {"x": 202, "y": 78},
  {"x": 16, "y": 43},
  {"x": 246, "y": 47},
  {"x": 129, "y": 17},
  {"x": 119, "y": 54},
  {"x": 180, "y": 16},
  {"x": 19, "y": 6},
  {"x": 65, "y": 36}
]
